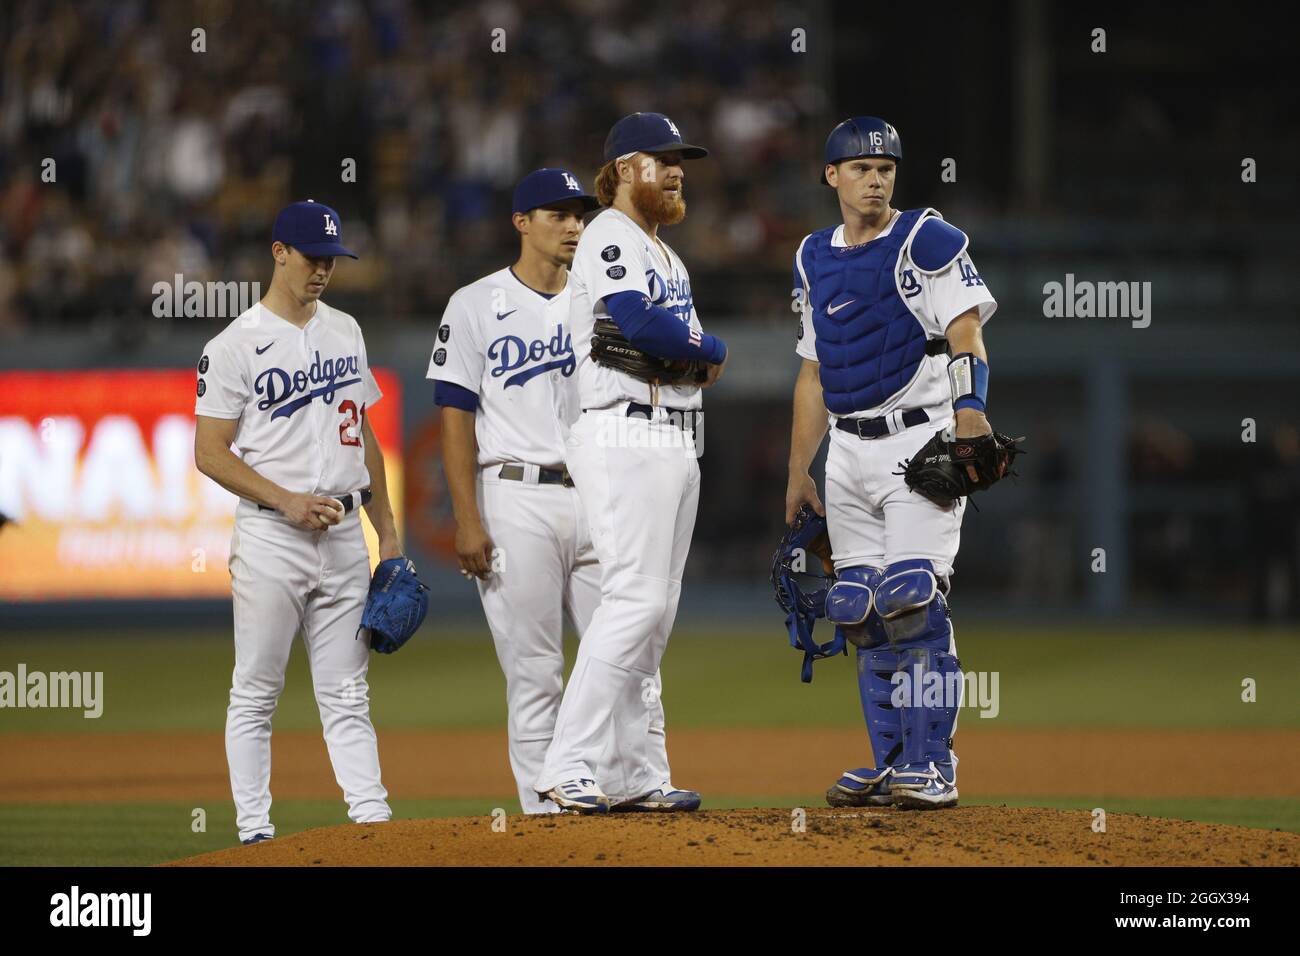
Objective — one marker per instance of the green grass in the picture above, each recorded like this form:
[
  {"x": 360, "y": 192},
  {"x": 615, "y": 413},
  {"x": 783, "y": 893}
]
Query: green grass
[
  {"x": 142, "y": 834},
  {"x": 743, "y": 676}
]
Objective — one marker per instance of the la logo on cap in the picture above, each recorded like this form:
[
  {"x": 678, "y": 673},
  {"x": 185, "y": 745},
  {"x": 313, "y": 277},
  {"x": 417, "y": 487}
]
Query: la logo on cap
[
  {"x": 572, "y": 183},
  {"x": 672, "y": 126},
  {"x": 330, "y": 228}
]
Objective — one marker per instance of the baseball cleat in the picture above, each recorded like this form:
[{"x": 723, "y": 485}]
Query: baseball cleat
[
  {"x": 258, "y": 838},
  {"x": 919, "y": 786},
  {"x": 578, "y": 796},
  {"x": 864, "y": 787},
  {"x": 664, "y": 800}
]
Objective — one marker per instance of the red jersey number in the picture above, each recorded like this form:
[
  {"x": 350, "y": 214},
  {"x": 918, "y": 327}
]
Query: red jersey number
[{"x": 350, "y": 429}]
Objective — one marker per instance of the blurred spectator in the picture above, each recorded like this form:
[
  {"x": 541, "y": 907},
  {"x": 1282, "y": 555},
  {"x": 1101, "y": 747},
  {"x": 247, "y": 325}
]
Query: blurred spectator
[
  {"x": 1273, "y": 520},
  {"x": 1043, "y": 564},
  {"x": 1161, "y": 457}
]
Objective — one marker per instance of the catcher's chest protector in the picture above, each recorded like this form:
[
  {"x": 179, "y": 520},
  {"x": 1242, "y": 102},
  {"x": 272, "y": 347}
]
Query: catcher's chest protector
[{"x": 868, "y": 342}]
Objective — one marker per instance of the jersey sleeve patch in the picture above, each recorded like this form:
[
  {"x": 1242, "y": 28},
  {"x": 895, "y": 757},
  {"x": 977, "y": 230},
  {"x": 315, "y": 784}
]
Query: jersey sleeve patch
[
  {"x": 221, "y": 390},
  {"x": 936, "y": 244}
]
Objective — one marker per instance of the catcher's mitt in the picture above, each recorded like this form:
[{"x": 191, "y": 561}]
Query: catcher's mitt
[
  {"x": 938, "y": 469},
  {"x": 610, "y": 348},
  {"x": 396, "y": 605}
]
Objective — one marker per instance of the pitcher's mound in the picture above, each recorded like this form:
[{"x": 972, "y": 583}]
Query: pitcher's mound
[{"x": 973, "y": 836}]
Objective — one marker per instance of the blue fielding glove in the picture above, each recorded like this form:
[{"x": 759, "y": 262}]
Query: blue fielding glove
[{"x": 396, "y": 605}]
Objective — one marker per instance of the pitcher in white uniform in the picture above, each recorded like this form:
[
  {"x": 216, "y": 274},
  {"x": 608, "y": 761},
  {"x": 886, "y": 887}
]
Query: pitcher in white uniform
[
  {"x": 289, "y": 384},
  {"x": 638, "y": 484},
  {"x": 503, "y": 369}
]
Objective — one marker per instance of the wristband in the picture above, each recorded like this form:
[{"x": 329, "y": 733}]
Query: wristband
[{"x": 968, "y": 374}]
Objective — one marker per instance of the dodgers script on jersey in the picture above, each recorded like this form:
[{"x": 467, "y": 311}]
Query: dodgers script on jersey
[
  {"x": 299, "y": 394},
  {"x": 511, "y": 346},
  {"x": 934, "y": 300},
  {"x": 615, "y": 255}
]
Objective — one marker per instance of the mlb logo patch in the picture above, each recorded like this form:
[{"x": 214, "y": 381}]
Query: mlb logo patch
[{"x": 695, "y": 337}]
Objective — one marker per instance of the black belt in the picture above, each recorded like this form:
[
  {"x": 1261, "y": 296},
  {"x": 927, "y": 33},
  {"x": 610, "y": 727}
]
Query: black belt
[
  {"x": 936, "y": 346},
  {"x": 876, "y": 427},
  {"x": 346, "y": 500},
  {"x": 545, "y": 476},
  {"x": 673, "y": 416}
]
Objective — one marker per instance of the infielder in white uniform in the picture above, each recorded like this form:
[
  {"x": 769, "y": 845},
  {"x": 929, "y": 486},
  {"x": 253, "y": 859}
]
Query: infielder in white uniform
[
  {"x": 503, "y": 369},
  {"x": 882, "y": 298},
  {"x": 288, "y": 383},
  {"x": 635, "y": 467}
]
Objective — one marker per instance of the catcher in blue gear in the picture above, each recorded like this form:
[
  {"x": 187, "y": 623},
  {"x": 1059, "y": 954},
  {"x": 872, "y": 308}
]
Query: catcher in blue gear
[
  {"x": 891, "y": 311},
  {"x": 396, "y": 605}
]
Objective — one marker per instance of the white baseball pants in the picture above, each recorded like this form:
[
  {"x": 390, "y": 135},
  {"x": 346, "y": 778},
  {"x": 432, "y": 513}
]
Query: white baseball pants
[
  {"x": 545, "y": 568},
  {"x": 285, "y": 579},
  {"x": 639, "y": 488},
  {"x": 873, "y": 518}
]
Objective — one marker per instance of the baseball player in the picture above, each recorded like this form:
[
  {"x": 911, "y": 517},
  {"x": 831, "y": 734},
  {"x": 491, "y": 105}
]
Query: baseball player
[
  {"x": 627, "y": 450},
  {"x": 883, "y": 297},
  {"x": 288, "y": 382},
  {"x": 503, "y": 375}
]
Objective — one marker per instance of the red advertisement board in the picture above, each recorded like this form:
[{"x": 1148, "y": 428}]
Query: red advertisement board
[{"x": 98, "y": 480}]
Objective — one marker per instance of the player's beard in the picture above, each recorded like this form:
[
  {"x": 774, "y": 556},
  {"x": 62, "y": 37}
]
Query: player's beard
[{"x": 650, "y": 200}]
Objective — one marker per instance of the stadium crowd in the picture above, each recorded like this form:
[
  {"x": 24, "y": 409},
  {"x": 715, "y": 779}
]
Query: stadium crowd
[{"x": 170, "y": 151}]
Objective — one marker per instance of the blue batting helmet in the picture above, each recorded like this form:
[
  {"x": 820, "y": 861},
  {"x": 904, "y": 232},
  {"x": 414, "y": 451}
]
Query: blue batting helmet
[{"x": 862, "y": 136}]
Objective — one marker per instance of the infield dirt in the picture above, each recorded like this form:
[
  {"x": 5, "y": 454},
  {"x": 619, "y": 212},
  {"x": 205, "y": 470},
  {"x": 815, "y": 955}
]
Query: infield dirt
[
  {"x": 473, "y": 763},
  {"x": 971, "y": 836}
]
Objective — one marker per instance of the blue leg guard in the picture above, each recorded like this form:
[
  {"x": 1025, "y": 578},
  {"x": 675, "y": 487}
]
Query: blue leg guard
[
  {"x": 876, "y": 666},
  {"x": 850, "y": 607},
  {"x": 914, "y": 615}
]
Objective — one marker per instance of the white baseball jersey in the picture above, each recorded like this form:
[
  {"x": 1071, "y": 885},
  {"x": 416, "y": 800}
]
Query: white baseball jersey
[
  {"x": 615, "y": 255},
  {"x": 935, "y": 300},
  {"x": 510, "y": 345},
  {"x": 299, "y": 396}
]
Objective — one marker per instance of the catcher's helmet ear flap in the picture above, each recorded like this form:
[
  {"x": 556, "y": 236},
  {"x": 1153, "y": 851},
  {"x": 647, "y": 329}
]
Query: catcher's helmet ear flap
[{"x": 862, "y": 136}]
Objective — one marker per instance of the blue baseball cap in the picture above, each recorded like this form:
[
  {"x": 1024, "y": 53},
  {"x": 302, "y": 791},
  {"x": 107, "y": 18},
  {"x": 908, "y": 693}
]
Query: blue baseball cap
[
  {"x": 311, "y": 227},
  {"x": 648, "y": 133},
  {"x": 543, "y": 187}
]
